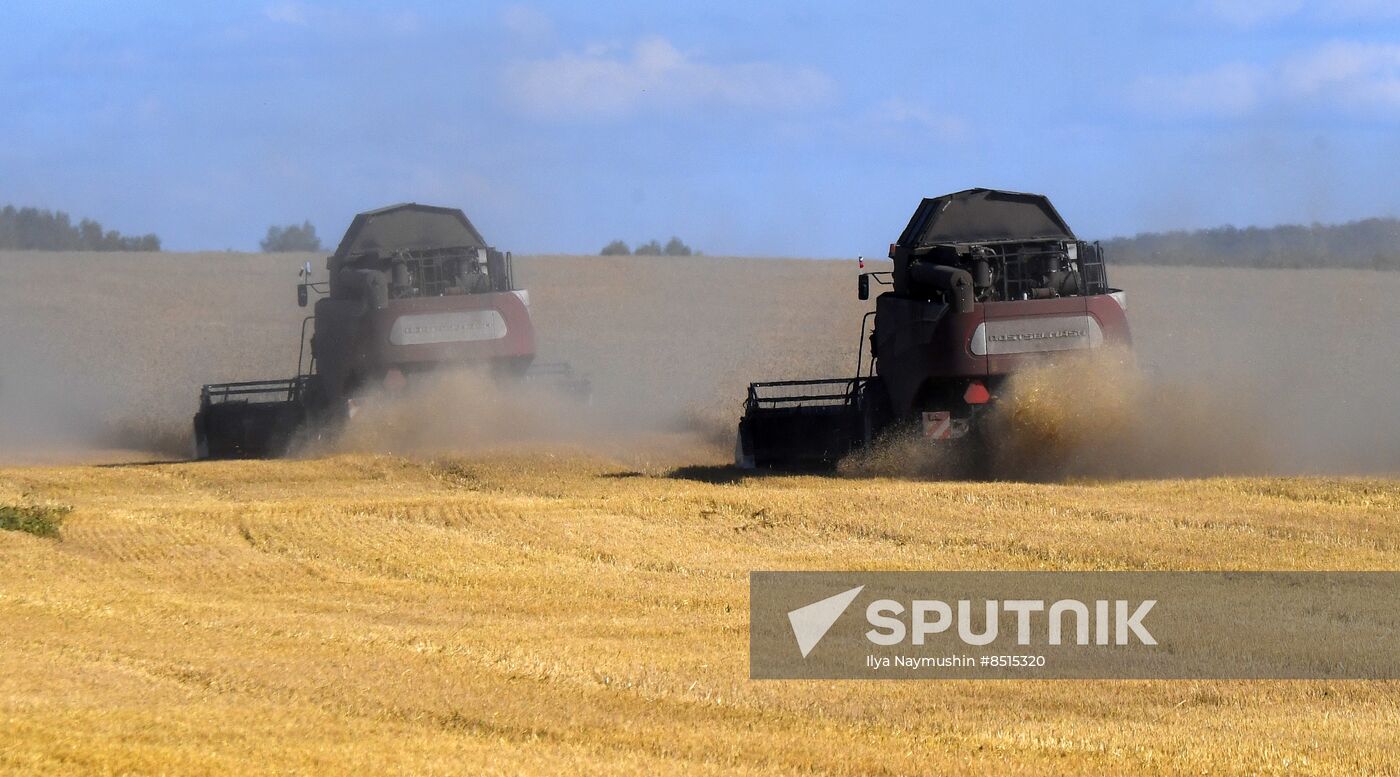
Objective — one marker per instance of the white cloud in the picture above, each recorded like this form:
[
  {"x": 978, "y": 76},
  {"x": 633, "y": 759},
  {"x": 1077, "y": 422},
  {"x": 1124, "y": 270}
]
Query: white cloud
[
  {"x": 898, "y": 115},
  {"x": 1228, "y": 90},
  {"x": 1357, "y": 77},
  {"x": 527, "y": 23},
  {"x": 1248, "y": 13},
  {"x": 336, "y": 21},
  {"x": 286, "y": 13},
  {"x": 403, "y": 22},
  {"x": 1253, "y": 13},
  {"x": 605, "y": 82}
]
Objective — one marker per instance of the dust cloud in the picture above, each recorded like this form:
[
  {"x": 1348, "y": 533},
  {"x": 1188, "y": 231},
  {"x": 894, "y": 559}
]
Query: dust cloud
[
  {"x": 1299, "y": 360},
  {"x": 454, "y": 410},
  {"x": 1085, "y": 415},
  {"x": 38, "y": 409},
  {"x": 1245, "y": 371},
  {"x": 1102, "y": 416},
  {"x": 102, "y": 354},
  {"x": 1234, "y": 372}
]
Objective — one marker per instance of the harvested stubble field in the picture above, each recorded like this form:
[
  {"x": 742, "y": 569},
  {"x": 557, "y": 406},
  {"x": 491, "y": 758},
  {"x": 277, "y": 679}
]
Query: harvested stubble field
[
  {"x": 559, "y": 614},
  {"x": 580, "y": 604}
]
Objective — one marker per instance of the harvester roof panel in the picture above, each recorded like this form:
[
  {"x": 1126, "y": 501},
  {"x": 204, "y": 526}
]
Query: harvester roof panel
[
  {"x": 408, "y": 227},
  {"x": 984, "y": 215}
]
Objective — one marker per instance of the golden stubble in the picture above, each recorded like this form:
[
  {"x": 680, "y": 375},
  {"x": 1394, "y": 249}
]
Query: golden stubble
[{"x": 551, "y": 610}]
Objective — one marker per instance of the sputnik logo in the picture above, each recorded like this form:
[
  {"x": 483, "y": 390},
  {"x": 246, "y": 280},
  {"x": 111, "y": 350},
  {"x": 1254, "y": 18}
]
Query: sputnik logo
[{"x": 812, "y": 622}]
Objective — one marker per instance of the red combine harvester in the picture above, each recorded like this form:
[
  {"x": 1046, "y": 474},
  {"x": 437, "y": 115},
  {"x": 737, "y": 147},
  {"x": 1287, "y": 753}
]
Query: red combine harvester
[
  {"x": 985, "y": 283},
  {"x": 412, "y": 288}
]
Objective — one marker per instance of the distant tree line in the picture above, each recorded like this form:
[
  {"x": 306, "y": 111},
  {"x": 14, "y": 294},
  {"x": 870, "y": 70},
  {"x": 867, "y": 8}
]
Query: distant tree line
[
  {"x": 31, "y": 229},
  {"x": 673, "y": 247},
  {"x": 1370, "y": 244},
  {"x": 291, "y": 238}
]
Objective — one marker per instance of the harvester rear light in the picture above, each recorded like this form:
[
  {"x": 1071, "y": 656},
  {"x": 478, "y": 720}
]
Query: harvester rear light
[
  {"x": 977, "y": 394},
  {"x": 893, "y": 248}
]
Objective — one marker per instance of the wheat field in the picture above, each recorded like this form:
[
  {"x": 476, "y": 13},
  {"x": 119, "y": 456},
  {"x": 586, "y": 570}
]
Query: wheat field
[
  {"x": 561, "y": 613},
  {"x": 578, "y": 602},
  {"x": 108, "y": 351}
]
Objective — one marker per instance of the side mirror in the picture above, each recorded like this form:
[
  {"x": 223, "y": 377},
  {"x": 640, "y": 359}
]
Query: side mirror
[
  {"x": 863, "y": 286},
  {"x": 301, "y": 294}
]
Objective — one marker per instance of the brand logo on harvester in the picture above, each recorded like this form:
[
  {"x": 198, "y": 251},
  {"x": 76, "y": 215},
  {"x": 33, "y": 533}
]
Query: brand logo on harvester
[
  {"x": 1015, "y": 336},
  {"x": 1061, "y": 621}
]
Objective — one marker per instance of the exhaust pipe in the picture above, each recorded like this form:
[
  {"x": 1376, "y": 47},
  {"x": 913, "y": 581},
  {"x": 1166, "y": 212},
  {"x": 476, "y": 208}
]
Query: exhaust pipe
[
  {"x": 956, "y": 283},
  {"x": 368, "y": 285}
]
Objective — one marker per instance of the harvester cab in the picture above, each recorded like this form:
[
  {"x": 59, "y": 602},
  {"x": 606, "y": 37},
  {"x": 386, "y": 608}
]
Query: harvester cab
[
  {"x": 984, "y": 283},
  {"x": 410, "y": 289}
]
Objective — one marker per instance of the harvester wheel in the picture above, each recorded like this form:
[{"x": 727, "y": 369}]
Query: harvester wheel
[
  {"x": 201, "y": 440},
  {"x": 875, "y": 413},
  {"x": 743, "y": 448}
]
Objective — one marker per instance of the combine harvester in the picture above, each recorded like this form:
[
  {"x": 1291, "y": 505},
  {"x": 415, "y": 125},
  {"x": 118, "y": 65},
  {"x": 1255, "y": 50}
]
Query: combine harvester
[
  {"x": 412, "y": 288},
  {"x": 985, "y": 283}
]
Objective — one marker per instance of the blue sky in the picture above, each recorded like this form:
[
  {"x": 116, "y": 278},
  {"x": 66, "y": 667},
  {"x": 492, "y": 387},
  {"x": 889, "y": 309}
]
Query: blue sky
[{"x": 807, "y": 129}]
